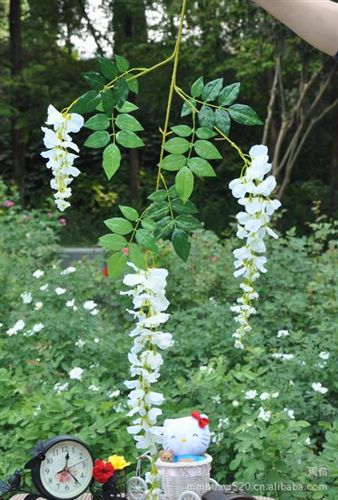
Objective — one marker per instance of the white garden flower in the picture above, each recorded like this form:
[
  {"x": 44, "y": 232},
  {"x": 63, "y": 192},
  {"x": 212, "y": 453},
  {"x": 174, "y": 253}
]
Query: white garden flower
[
  {"x": 61, "y": 387},
  {"x": 70, "y": 303},
  {"x": 94, "y": 312},
  {"x": 264, "y": 396},
  {"x": 290, "y": 413},
  {"x": 38, "y": 306},
  {"x": 250, "y": 394},
  {"x": 113, "y": 394},
  {"x": 96, "y": 340},
  {"x": 60, "y": 291},
  {"x": 264, "y": 415},
  {"x": 38, "y": 273},
  {"x": 318, "y": 387},
  {"x": 89, "y": 305},
  {"x": 26, "y": 297},
  {"x": 282, "y": 333},
  {"x": 19, "y": 325},
  {"x": 93, "y": 388},
  {"x": 60, "y": 160},
  {"x": 253, "y": 226},
  {"x": 38, "y": 327},
  {"x": 324, "y": 355},
  {"x": 148, "y": 296},
  {"x": 235, "y": 403},
  {"x": 43, "y": 288},
  {"x": 76, "y": 373},
  {"x": 68, "y": 270},
  {"x": 216, "y": 399},
  {"x": 80, "y": 343}
]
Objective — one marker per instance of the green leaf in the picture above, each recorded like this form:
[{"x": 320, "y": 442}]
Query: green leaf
[
  {"x": 113, "y": 242},
  {"x": 136, "y": 256},
  {"x": 97, "y": 122},
  {"x": 206, "y": 117},
  {"x": 129, "y": 139},
  {"x": 207, "y": 150},
  {"x": 146, "y": 240},
  {"x": 201, "y": 167},
  {"x": 128, "y": 122},
  {"x": 187, "y": 108},
  {"x": 205, "y": 133},
  {"x": 120, "y": 91},
  {"x": 177, "y": 145},
  {"x": 129, "y": 212},
  {"x": 212, "y": 89},
  {"x": 119, "y": 225},
  {"x": 187, "y": 222},
  {"x": 107, "y": 67},
  {"x": 111, "y": 160},
  {"x": 159, "y": 195},
  {"x": 95, "y": 80},
  {"x": 181, "y": 244},
  {"x": 222, "y": 121},
  {"x": 173, "y": 162},
  {"x": 241, "y": 113},
  {"x": 197, "y": 87},
  {"x": 148, "y": 224},
  {"x": 98, "y": 139},
  {"x": 182, "y": 130},
  {"x": 133, "y": 86},
  {"x": 121, "y": 63},
  {"x": 157, "y": 210},
  {"x": 183, "y": 208},
  {"x": 229, "y": 94},
  {"x": 127, "y": 107},
  {"x": 108, "y": 102},
  {"x": 117, "y": 264},
  {"x": 184, "y": 183},
  {"x": 87, "y": 102},
  {"x": 99, "y": 107},
  {"x": 164, "y": 228}
]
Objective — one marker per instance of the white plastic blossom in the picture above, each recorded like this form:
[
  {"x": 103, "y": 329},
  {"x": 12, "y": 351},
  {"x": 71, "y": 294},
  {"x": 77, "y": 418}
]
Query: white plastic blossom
[
  {"x": 253, "y": 190},
  {"x": 19, "y": 325},
  {"x": 149, "y": 300},
  {"x": 26, "y": 297},
  {"x": 58, "y": 143}
]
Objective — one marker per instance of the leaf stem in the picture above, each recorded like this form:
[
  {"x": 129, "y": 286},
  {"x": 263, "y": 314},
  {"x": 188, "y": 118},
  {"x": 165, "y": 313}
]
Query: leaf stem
[{"x": 171, "y": 91}]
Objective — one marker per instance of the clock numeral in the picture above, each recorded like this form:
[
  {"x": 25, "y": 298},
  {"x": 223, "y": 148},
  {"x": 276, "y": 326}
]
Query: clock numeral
[
  {"x": 49, "y": 461},
  {"x": 64, "y": 448},
  {"x": 66, "y": 487},
  {"x": 50, "y": 480},
  {"x": 80, "y": 456},
  {"x": 55, "y": 453},
  {"x": 82, "y": 475},
  {"x": 84, "y": 465},
  {"x": 58, "y": 486},
  {"x": 47, "y": 470},
  {"x": 73, "y": 449}
]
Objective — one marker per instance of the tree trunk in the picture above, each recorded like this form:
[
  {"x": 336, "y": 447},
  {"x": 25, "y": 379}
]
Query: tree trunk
[
  {"x": 334, "y": 155},
  {"x": 130, "y": 25},
  {"x": 17, "y": 133}
]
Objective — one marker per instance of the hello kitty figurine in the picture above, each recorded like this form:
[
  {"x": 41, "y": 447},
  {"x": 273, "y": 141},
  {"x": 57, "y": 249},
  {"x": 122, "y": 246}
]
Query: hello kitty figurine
[{"x": 187, "y": 438}]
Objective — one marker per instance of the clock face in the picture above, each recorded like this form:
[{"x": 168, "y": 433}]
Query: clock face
[{"x": 66, "y": 470}]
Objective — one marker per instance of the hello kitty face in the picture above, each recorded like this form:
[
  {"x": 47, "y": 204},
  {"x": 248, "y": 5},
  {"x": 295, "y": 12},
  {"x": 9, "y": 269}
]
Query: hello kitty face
[{"x": 187, "y": 435}]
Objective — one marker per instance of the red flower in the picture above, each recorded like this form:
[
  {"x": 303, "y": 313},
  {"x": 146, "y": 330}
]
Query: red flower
[
  {"x": 105, "y": 272},
  {"x": 102, "y": 471}
]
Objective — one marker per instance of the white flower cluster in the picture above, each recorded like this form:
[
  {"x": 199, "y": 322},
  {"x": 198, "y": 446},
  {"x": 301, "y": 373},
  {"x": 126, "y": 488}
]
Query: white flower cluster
[
  {"x": 149, "y": 300},
  {"x": 60, "y": 160},
  {"x": 253, "y": 191}
]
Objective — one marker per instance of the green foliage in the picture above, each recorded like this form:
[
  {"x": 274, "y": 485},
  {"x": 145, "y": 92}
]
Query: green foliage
[{"x": 202, "y": 371}]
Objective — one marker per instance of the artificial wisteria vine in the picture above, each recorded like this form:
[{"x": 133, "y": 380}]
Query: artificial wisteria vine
[
  {"x": 252, "y": 189},
  {"x": 149, "y": 300},
  {"x": 60, "y": 160}
]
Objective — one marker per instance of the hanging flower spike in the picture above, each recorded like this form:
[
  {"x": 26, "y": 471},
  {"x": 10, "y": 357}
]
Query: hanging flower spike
[
  {"x": 253, "y": 191},
  {"x": 149, "y": 300},
  {"x": 60, "y": 160}
]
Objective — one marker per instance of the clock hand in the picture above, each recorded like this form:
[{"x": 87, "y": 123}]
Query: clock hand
[
  {"x": 65, "y": 467},
  {"x": 77, "y": 464},
  {"x": 74, "y": 477}
]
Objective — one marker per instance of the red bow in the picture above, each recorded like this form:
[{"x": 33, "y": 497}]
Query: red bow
[{"x": 202, "y": 421}]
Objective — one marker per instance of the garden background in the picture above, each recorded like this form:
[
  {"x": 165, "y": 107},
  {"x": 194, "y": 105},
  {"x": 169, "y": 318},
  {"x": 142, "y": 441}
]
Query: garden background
[{"x": 44, "y": 48}]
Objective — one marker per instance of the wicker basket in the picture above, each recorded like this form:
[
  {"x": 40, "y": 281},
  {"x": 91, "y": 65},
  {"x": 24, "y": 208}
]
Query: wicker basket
[{"x": 176, "y": 478}]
